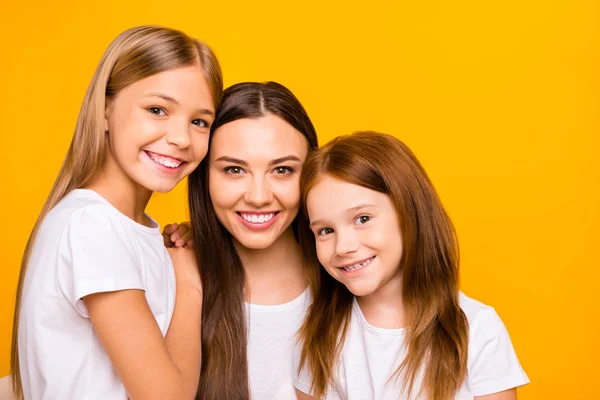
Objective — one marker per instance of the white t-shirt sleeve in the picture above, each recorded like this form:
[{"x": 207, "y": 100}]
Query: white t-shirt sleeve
[
  {"x": 96, "y": 256},
  {"x": 303, "y": 378},
  {"x": 493, "y": 365}
]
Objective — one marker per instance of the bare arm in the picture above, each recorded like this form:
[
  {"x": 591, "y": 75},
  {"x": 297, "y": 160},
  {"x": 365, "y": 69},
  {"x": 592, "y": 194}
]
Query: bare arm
[
  {"x": 303, "y": 396},
  {"x": 510, "y": 394},
  {"x": 6, "y": 392},
  {"x": 149, "y": 366}
]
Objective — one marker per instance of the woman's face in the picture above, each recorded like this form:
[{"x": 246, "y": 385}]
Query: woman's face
[{"x": 254, "y": 178}]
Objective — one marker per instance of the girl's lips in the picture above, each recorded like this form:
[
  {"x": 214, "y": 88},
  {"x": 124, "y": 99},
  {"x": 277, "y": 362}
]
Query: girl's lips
[
  {"x": 356, "y": 268},
  {"x": 268, "y": 220},
  {"x": 155, "y": 159}
]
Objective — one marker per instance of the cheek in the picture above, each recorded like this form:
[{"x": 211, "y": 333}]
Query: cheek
[
  {"x": 199, "y": 146},
  {"x": 324, "y": 252},
  {"x": 223, "y": 192},
  {"x": 288, "y": 194}
]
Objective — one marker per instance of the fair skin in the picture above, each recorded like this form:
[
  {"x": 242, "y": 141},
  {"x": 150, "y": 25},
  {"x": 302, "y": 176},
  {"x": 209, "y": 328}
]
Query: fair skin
[
  {"x": 158, "y": 130},
  {"x": 254, "y": 177},
  {"x": 358, "y": 241}
]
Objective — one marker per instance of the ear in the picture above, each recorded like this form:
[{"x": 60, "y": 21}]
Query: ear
[{"x": 106, "y": 115}]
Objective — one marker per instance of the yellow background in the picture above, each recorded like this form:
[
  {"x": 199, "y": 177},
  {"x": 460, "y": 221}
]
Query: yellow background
[{"x": 499, "y": 100}]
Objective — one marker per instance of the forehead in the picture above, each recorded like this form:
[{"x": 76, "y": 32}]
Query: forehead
[
  {"x": 267, "y": 137},
  {"x": 331, "y": 197},
  {"x": 186, "y": 85}
]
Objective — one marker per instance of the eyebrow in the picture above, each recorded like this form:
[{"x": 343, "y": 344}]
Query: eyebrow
[
  {"x": 348, "y": 211},
  {"x": 172, "y": 100},
  {"x": 232, "y": 160},
  {"x": 244, "y": 163},
  {"x": 283, "y": 159}
]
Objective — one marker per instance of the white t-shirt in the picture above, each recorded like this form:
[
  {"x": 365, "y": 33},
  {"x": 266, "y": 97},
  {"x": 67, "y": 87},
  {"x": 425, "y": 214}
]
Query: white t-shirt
[
  {"x": 271, "y": 341},
  {"x": 371, "y": 355},
  {"x": 84, "y": 246}
]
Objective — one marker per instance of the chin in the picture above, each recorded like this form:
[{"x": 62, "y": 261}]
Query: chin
[
  {"x": 257, "y": 243},
  {"x": 161, "y": 188},
  {"x": 360, "y": 289},
  {"x": 158, "y": 185}
]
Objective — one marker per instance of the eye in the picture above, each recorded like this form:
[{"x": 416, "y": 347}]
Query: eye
[
  {"x": 324, "y": 231},
  {"x": 201, "y": 123},
  {"x": 363, "y": 219},
  {"x": 157, "y": 111},
  {"x": 234, "y": 170},
  {"x": 284, "y": 170}
]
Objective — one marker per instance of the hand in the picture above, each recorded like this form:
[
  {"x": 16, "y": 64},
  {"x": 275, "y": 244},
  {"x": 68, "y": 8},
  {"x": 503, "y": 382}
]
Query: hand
[
  {"x": 186, "y": 268},
  {"x": 178, "y": 235}
]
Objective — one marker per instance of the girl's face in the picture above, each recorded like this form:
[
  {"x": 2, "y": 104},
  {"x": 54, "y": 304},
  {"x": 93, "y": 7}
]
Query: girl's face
[
  {"x": 357, "y": 235},
  {"x": 254, "y": 173},
  {"x": 159, "y": 126}
]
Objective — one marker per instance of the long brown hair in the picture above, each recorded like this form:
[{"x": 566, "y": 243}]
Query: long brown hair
[
  {"x": 135, "y": 54},
  {"x": 224, "y": 373},
  {"x": 437, "y": 328}
]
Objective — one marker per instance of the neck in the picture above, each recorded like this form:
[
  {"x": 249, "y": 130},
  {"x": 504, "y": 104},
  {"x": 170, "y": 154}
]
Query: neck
[
  {"x": 274, "y": 275},
  {"x": 384, "y": 307},
  {"x": 123, "y": 193}
]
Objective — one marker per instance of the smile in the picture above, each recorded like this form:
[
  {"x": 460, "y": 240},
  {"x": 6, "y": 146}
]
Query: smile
[
  {"x": 165, "y": 161},
  {"x": 358, "y": 265},
  {"x": 257, "y": 220}
]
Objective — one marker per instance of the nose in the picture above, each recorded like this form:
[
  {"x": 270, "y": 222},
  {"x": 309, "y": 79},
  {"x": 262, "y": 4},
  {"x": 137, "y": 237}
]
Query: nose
[
  {"x": 179, "y": 135},
  {"x": 346, "y": 242},
  {"x": 258, "y": 192}
]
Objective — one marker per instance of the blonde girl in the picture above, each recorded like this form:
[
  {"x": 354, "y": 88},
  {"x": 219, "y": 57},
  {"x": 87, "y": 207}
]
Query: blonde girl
[{"x": 101, "y": 312}]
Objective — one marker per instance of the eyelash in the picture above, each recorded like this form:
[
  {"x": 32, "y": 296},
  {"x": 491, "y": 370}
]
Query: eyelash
[
  {"x": 206, "y": 124},
  {"x": 327, "y": 231},
  {"x": 157, "y": 111},
  {"x": 287, "y": 170},
  {"x": 152, "y": 110},
  {"x": 321, "y": 232},
  {"x": 361, "y": 217},
  {"x": 229, "y": 170}
]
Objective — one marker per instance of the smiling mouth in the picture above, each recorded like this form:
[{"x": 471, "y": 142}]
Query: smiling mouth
[
  {"x": 257, "y": 218},
  {"x": 358, "y": 265},
  {"x": 165, "y": 161}
]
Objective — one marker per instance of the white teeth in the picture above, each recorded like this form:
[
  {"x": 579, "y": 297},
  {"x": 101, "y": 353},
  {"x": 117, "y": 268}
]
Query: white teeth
[
  {"x": 358, "y": 265},
  {"x": 257, "y": 219},
  {"x": 166, "y": 161}
]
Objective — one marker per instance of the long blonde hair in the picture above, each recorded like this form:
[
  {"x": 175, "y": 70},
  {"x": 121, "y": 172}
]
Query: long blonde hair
[
  {"x": 135, "y": 54},
  {"x": 437, "y": 329}
]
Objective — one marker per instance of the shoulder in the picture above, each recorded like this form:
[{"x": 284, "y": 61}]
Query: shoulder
[
  {"x": 476, "y": 311},
  {"x": 77, "y": 205},
  {"x": 485, "y": 325},
  {"x": 493, "y": 365}
]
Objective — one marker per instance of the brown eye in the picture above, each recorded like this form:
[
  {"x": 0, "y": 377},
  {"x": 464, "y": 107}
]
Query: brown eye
[
  {"x": 363, "y": 219},
  {"x": 284, "y": 170},
  {"x": 156, "y": 111},
  {"x": 324, "y": 231},
  {"x": 234, "y": 170},
  {"x": 201, "y": 123}
]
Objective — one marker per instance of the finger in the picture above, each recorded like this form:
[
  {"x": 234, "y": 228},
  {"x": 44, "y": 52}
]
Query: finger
[
  {"x": 180, "y": 243},
  {"x": 186, "y": 236},
  {"x": 166, "y": 236},
  {"x": 183, "y": 228},
  {"x": 190, "y": 243},
  {"x": 169, "y": 229}
]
